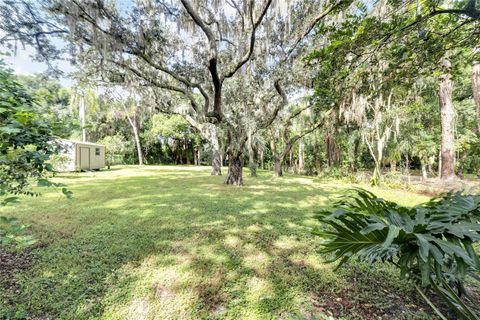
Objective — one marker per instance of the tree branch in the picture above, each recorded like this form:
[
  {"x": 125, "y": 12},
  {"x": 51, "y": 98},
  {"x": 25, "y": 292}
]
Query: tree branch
[
  {"x": 248, "y": 55},
  {"x": 157, "y": 83},
  {"x": 312, "y": 25},
  {"x": 213, "y": 60}
]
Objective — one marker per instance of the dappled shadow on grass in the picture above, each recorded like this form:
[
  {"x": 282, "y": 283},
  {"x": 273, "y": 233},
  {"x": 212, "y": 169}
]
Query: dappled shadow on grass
[{"x": 178, "y": 245}]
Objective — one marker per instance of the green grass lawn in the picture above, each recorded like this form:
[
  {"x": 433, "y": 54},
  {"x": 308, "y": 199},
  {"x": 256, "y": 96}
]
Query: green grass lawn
[{"x": 175, "y": 243}]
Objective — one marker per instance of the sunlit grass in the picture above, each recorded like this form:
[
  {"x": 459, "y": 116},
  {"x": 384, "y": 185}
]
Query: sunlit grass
[{"x": 175, "y": 243}]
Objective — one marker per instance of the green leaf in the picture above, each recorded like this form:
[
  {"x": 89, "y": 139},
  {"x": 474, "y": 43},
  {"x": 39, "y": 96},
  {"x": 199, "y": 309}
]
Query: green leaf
[
  {"x": 424, "y": 247},
  {"x": 392, "y": 234}
]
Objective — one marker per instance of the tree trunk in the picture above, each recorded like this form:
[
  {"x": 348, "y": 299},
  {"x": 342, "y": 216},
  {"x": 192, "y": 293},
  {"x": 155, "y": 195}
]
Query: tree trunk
[
  {"x": 278, "y": 163},
  {"x": 424, "y": 170},
  {"x": 379, "y": 159},
  {"x": 82, "y": 118},
  {"x": 290, "y": 162},
  {"x": 329, "y": 151},
  {"x": 439, "y": 162},
  {"x": 407, "y": 166},
  {"x": 461, "y": 164},
  {"x": 476, "y": 91},
  {"x": 211, "y": 133},
  {"x": 393, "y": 166},
  {"x": 251, "y": 156},
  {"x": 376, "y": 171},
  {"x": 216, "y": 163},
  {"x": 235, "y": 170},
  {"x": 316, "y": 156},
  {"x": 407, "y": 163},
  {"x": 262, "y": 156},
  {"x": 187, "y": 149},
  {"x": 431, "y": 161},
  {"x": 447, "y": 118},
  {"x": 301, "y": 158},
  {"x": 132, "y": 120},
  {"x": 197, "y": 155},
  {"x": 137, "y": 143}
]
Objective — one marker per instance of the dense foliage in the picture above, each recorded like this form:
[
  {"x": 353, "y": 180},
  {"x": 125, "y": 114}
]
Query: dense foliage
[
  {"x": 26, "y": 144},
  {"x": 381, "y": 88},
  {"x": 25, "y": 139},
  {"x": 432, "y": 243}
]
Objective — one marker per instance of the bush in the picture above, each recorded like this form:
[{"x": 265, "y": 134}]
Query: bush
[
  {"x": 432, "y": 244},
  {"x": 116, "y": 148},
  {"x": 59, "y": 162}
]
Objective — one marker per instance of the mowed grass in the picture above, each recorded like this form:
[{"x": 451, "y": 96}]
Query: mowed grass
[{"x": 175, "y": 243}]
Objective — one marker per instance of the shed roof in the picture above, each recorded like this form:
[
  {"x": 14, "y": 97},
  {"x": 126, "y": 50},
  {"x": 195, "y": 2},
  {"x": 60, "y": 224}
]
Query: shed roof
[{"x": 81, "y": 142}]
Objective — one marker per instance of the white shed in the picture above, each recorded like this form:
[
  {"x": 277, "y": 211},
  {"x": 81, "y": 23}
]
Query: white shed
[{"x": 81, "y": 156}]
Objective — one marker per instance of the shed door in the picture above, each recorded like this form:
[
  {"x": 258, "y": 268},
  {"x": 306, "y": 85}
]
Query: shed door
[{"x": 84, "y": 158}]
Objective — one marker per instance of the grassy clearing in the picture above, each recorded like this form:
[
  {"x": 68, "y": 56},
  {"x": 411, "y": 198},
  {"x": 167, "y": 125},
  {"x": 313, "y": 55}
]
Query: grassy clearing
[{"x": 175, "y": 243}]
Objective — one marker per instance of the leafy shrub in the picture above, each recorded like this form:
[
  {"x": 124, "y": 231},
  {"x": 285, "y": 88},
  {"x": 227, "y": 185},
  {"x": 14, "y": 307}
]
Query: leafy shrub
[
  {"x": 432, "y": 244},
  {"x": 59, "y": 162},
  {"x": 26, "y": 145},
  {"x": 116, "y": 147}
]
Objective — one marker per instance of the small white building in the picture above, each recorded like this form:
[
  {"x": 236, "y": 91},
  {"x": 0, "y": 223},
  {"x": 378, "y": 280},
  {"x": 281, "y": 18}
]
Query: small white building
[{"x": 78, "y": 156}]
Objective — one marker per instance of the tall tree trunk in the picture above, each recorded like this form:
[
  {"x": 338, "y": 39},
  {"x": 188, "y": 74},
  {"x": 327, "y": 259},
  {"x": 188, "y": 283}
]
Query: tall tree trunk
[
  {"x": 316, "y": 156},
  {"x": 277, "y": 161},
  {"x": 236, "y": 139},
  {"x": 132, "y": 120},
  {"x": 278, "y": 164},
  {"x": 235, "y": 170},
  {"x": 216, "y": 163},
  {"x": 333, "y": 151},
  {"x": 251, "y": 156},
  {"x": 424, "y": 170},
  {"x": 210, "y": 132},
  {"x": 83, "y": 117},
  {"x": 447, "y": 119},
  {"x": 329, "y": 149},
  {"x": 439, "y": 162},
  {"x": 431, "y": 161},
  {"x": 407, "y": 166},
  {"x": 262, "y": 157},
  {"x": 196, "y": 155},
  {"x": 476, "y": 95},
  {"x": 139, "y": 146},
  {"x": 280, "y": 158},
  {"x": 301, "y": 158},
  {"x": 290, "y": 162},
  {"x": 380, "y": 146},
  {"x": 187, "y": 149},
  {"x": 376, "y": 176},
  {"x": 178, "y": 159},
  {"x": 476, "y": 91},
  {"x": 353, "y": 162},
  {"x": 136, "y": 136}
]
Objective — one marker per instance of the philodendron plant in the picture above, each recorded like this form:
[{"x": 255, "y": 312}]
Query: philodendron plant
[{"x": 433, "y": 244}]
